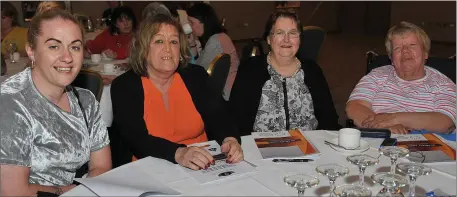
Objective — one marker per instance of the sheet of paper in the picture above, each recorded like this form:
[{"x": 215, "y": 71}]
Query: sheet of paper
[
  {"x": 409, "y": 137},
  {"x": 128, "y": 180},
  {"x": 221, "y": 169}
]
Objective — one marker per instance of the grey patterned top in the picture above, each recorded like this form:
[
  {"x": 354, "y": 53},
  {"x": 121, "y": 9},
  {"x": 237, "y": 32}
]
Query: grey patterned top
[
  {"x": 271, "y": 115},
  {"x": 38, "y": 134}
]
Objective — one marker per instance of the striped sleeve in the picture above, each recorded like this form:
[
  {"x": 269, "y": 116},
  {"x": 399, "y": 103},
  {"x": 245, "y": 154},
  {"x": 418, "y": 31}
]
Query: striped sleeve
[
  {"x": 365, "y": 90},
  {"x": 445, "y": 101}
]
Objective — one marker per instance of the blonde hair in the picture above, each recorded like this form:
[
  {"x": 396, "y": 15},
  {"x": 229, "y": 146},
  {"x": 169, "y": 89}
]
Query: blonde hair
[
  {"x": 46, "y": 5},
  {"x": 407, "y": 27},
  {"x": 140, "y": 45},
  {"x": 46, "y": 15}
]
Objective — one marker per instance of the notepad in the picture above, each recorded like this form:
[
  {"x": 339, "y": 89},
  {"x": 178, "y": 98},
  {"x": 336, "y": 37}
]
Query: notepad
[{"x": 285, "y": 145}]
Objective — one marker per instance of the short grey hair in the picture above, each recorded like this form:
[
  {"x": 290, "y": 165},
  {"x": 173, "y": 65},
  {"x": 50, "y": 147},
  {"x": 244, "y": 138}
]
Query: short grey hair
[
  {"x": 407, "y": 27},
  {"x": 153, "y": 9}
]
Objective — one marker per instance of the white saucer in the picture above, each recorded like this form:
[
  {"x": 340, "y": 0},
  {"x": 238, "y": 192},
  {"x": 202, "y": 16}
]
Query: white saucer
[{"x": 364, "y": 146}]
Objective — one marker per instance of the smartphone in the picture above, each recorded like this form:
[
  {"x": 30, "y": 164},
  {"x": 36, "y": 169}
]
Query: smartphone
[{"x": 389, "y": 142}]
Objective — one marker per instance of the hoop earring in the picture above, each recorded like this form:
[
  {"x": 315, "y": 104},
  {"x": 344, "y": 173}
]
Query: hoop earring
[
  {"x": 33, "y": 64},
  {"x": 181, "y": 58}
]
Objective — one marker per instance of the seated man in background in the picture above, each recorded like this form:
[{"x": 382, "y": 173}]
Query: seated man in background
[{"x": 406, "y": 95}]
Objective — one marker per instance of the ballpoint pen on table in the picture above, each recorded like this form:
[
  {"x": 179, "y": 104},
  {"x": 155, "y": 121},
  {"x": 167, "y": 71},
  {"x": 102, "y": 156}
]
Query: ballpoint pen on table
[{"x": 292, "y": 160}]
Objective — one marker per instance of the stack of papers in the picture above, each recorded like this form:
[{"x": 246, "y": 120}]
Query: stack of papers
[
  {"x": 426, "y": 148},
  {"x": 221, "y": 169},
  {"x": 128, "y": 180},
  {"x": 285, "y": 145}
]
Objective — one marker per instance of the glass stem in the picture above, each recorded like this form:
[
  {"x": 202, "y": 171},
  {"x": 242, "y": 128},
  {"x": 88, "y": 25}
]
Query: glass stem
[
  {"x": 301, "y": 192},
  {"x": 332, "y": 186},
  {"x": 412, "y": 186},
  {"x": 362, "y": 175},
  {"x": 393, "y": 162}
]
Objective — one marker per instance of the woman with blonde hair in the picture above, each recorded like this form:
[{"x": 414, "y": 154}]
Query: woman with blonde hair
[
  {"x": 49, "y": 129},
  {"x": 162, "y": 105}
]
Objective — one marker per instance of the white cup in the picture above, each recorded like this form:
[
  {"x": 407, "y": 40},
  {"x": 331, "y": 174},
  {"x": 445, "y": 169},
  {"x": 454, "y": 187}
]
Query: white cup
[
  {"x": 16, "y": 56},
  {"x": 187, "y": 28},
  {"x": 349, "y": 138},
  {"x": 96, "y": 58},
  {"x": 108, "y": 68}
]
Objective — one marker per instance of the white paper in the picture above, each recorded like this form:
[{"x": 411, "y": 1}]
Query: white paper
[
  {"x": 409, "y": 137},
  {"x": 221, "y": 169},
  {"x": 128, "y": 180}
]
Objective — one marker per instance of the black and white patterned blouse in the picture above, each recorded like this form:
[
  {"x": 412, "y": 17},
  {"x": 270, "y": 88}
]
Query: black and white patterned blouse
[{"x": 276, "y": 115}]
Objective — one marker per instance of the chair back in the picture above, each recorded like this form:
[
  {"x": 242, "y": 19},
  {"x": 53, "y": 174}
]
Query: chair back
[
  {"x": 446, "y": 66},
  {"x": 218, "y": 71},
  {"x": 90, "y": 80},
  {"x": 311, "y": 40},
  {"x": 254, "y": 48}
]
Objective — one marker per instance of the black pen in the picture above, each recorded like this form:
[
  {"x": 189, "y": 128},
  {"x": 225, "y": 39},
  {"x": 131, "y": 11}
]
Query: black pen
[{"x": 292, "y": 160}]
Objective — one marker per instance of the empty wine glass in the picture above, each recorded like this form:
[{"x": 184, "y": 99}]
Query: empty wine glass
[
  {"x": 11, "y": 48},
  {"x": 351, "y": 190},
  {"x": 391, "y": 182},
  {"x": 394, "y": 152},
  {"x": 332, "y": 171},
  {"x": 413, "y": 170},
  {"x": 301, "y": 182},
  {"x": 362, "y": 161}
]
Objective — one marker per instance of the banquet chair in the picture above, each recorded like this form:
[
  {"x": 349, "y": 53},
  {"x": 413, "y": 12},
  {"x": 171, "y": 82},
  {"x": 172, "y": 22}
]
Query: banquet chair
[
  {"x": 446, "y": 66},
  {"x": 90, "y": 80},
  {"x": 254, "y": 48},
  {"x": 218, "y": 71},
  {"x": 311, "y": 40}
]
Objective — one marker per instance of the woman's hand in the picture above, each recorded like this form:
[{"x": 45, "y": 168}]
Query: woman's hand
[
  {"x": 233, "y": 149},
  {"x": 110, "y": 54},
  {"x": 195, "y": 158}
]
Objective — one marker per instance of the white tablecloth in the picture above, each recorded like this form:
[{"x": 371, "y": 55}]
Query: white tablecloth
[{"x": 268, "y": 179}]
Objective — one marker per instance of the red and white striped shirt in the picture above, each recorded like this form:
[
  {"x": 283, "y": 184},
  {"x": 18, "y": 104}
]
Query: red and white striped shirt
[{"x": 388, "y": 93}]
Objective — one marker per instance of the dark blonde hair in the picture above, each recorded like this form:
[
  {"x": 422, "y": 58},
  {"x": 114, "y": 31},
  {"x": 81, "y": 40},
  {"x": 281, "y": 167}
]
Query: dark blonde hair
[
  {"x": 139, "y": 49},
  {"x": 46, "y": 5},
  {"x": 49, "y": 14},
  {"x": 407, "y": 27}
]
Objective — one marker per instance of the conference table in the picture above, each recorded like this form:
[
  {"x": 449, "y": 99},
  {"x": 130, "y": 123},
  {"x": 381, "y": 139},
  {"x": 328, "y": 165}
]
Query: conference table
[{"x": 267, "y": 180}]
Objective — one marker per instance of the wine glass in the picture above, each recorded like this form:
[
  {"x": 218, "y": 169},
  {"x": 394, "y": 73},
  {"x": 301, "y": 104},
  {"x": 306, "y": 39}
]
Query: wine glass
[
  {"x": 11, "y": 48},
  {"x": 351, "y": 190},
  {"x": 391, "y": 182},
  {"x": 332, "y": 171},
  {"x": 362, "y": 161},
  {"x": 301, "y": 182},
  {"x": 394, "y": 152},
  {"x": 413, "y": 170}
]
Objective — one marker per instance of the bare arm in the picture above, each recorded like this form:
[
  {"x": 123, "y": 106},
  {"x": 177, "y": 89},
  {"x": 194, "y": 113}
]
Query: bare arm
[
  {"x": 430, "y": 121},
  {"x": 100, "y": 161},
  {"x": 15, "y": 182},
  {"x": 358, "y": 111}
]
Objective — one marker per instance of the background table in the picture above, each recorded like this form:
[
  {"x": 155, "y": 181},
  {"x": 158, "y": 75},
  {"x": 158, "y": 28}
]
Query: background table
[{"x": 268, "y": 179}]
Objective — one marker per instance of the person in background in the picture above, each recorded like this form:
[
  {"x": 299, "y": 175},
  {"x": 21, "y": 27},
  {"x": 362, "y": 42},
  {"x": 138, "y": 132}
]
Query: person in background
[
  {"x": 407, "y": 95},
  {"x": 207, "y": 27},
  {"x": 109, "y": 12},
  {"x": 46, "y": 5},
  {"x": 49, "y": 129},
  {"x": 11, "y": 32},
  {"x": 278, "y": 92},
  {"x": 162, "y": 105},
  {"x": 114, "y": 41}
]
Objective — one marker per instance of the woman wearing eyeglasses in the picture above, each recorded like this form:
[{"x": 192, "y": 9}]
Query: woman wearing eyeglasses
[{"x": 278, "y": 91}]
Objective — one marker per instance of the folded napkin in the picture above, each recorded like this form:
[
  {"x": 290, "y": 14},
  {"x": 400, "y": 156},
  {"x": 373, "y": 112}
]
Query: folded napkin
[{"x": 450, "y": 137}]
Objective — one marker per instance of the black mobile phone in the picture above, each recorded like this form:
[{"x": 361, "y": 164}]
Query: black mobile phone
[{"x": 389, "y": 142}]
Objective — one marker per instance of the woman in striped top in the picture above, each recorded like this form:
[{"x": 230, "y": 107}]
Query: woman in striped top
[{"x": 407, "y": 95}]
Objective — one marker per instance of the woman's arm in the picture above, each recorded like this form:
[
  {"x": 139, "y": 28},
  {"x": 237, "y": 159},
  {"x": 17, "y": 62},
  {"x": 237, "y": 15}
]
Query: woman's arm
[
  {"x": 358, "y": 111},
  {"x": 209, "y": 52},
  {"x": 100, "y": 161},
  {"x": 14, "y": 181},
  {"x": 97, "y": 45}
]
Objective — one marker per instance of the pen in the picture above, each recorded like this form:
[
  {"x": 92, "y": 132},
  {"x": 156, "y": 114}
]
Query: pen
[
  {"x": 423, "y": 145},
  {"x": 292, "y": 160}
]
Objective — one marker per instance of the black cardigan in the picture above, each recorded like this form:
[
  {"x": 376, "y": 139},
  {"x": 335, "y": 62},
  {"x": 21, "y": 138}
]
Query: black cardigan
[
  {"x": 127, "y": 96},
  {"x": 247, "y": 91}
]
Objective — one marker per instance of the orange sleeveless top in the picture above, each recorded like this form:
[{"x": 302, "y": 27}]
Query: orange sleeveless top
[{"x": 181, "y": 123}]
